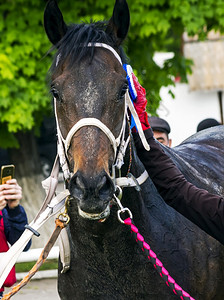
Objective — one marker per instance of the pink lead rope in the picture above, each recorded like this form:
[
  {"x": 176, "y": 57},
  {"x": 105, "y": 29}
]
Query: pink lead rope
[{"x": 157, "y": 263}]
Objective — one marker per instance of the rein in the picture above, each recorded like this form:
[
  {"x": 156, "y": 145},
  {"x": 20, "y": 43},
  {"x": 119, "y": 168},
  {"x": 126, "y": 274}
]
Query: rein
[
  {"x": 170, "y": 282},
  {"x": 60, "y": 223},
  {"x": 152, "y": 257}
]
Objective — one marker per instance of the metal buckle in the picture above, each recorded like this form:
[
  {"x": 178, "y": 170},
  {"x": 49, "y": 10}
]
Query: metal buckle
[
  {"x": 118, "y": 202},
  {"x": 64, "y": 217}
]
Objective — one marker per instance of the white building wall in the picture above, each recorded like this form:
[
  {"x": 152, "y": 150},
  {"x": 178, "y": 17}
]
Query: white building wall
[{"x": 187, "y": 109}]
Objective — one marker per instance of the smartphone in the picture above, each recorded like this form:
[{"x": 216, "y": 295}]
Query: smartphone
[{"x": 7, "y": 173}]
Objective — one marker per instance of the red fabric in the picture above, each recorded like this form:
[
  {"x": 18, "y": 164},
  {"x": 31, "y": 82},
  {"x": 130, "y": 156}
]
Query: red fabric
[
  {"x": 11, "y": 279},
  {"x": 140, "y": 103}
]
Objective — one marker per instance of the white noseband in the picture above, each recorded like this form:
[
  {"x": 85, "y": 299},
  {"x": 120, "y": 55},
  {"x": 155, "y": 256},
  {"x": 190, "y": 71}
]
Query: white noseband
[{"x": 115, "y": 142}]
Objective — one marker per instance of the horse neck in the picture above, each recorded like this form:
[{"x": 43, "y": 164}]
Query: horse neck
[
  {"x": 147, "y": 205},
  {"x": 132, "y": 163},
  {"x": 132, "y": 198}
]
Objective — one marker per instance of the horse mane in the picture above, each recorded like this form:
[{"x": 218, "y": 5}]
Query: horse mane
[{"x": 74, "y": 44}]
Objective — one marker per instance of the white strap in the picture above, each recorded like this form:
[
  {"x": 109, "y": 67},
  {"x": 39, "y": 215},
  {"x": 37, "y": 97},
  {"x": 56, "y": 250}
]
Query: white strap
[
  {"x": 64, "y": 249},
  {"x": 9, "y": 258},
  {"x": 63, "y": 160},
  {"x": 132, "y": 88},
  {"x": 129, "y": 181},
  {"x": 60, "y": 147},
  {"x": 138, "y": 123},
  {"x": 102, "y": 45},
  {"x": 120, "y": 156},
  {"x": 90, "y": 122}
]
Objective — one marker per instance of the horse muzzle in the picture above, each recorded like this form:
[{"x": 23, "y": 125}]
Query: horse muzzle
[
  {"x": 102, "y": 216},
  {"x": 93, "y": 194}
]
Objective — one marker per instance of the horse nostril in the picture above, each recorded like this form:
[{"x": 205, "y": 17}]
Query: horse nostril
[
  {"x": 79, "y": 183},
  {"x": 102, "y": 183},
  {"x": 78, "y": 187},
  {"x": 105, "y": 188}
]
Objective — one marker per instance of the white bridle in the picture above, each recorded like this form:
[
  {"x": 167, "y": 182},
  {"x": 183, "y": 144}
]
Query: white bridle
[{"x": 64, "y": 143}]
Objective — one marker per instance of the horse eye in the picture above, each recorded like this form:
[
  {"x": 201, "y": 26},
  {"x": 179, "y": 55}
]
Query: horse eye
[
  {"x": 123, "y": 91},
  {"x": 55, "y": 93}
]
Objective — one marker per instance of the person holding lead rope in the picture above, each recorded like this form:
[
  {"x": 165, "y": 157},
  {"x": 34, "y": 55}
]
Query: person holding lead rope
[{"x": 204, "y": 209}]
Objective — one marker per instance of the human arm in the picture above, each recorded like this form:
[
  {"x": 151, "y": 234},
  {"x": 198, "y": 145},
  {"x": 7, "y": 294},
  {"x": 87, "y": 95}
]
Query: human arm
[
  {"x": 202, "y": 208},
  {"x": 14, "y": 215}
]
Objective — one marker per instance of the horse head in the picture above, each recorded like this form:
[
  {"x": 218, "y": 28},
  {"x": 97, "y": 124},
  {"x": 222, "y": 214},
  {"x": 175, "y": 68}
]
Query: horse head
[{"x": 89, "y": 84}]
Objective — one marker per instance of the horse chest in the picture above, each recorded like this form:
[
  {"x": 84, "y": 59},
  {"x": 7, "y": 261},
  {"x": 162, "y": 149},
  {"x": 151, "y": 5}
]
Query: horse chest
[
  {"x": 110, "y": 268},
  {"x": 111, "y": 265}
]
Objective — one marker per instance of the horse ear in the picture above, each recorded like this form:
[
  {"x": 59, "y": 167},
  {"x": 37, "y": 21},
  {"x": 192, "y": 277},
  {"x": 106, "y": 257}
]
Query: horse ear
[
  {"x": 54, "y": 24},
  {"x": 119, "y": 23}
]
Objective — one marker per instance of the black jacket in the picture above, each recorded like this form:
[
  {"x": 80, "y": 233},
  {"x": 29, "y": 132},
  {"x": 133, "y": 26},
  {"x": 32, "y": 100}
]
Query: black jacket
[
  {"x": 14, "y": 222},
  {"x": 202, "y": 208}
]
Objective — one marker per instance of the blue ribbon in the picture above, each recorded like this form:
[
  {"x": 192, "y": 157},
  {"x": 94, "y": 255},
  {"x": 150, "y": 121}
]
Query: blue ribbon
[{"x": 132, "y": 91}]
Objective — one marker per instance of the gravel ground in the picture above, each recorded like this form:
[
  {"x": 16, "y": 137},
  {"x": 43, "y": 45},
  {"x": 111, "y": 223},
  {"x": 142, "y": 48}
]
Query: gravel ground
[{"x": 41, "y": 289}]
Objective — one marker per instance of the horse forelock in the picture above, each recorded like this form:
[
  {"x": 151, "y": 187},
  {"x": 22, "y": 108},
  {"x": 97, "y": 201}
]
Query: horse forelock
[{"x": 73, "y": 47}]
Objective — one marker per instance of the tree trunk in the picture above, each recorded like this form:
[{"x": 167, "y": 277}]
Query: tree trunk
[{"x": 29, "y": 176}]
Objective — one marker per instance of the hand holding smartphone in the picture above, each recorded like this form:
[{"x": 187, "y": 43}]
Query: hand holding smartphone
[
  {"x": 11, "y": 193},
  {"x": 7, "y": 173}
]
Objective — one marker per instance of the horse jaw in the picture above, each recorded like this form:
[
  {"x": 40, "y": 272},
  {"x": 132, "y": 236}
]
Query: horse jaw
[{"x": 101, "y": 216}]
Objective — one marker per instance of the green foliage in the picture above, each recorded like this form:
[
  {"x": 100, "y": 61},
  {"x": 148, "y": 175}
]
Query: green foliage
[
  {"x": 156, "y": 25},
  {"x": 23, "y": 69}
]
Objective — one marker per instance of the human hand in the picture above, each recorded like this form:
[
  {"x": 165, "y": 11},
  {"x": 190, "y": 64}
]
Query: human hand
[
  {"x": 10, "y": 193},
  {"x": 140, "y": 103}
]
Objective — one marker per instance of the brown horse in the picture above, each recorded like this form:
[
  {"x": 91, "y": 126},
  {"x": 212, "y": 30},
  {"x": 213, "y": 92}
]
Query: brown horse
[{"x": 89, "y": 86}]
